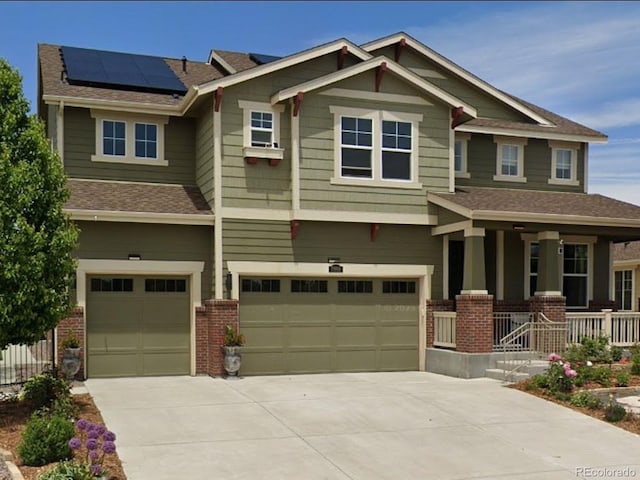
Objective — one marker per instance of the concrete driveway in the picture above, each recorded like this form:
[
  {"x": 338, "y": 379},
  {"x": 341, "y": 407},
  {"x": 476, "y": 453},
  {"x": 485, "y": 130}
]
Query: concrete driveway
[{"x": 408, "y": 425}]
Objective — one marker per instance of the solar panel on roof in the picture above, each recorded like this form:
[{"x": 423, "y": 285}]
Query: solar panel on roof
[
  {"x": 261, "y": 59},
  {"x": 98, "y": 67}
]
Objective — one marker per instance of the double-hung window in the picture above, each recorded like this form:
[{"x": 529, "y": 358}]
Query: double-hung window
[
  {"x": 564, "y": 160},
  {"x": 510, "y": 159},
  {"x": 261, "y": 130},
  {"x": 129, "y": 138},
  {"x": 624, "y": 289},
  {"x": 146, "y": 140},
  {"x": 356, "y": 147},
  {"x": 376, "y": 147}
]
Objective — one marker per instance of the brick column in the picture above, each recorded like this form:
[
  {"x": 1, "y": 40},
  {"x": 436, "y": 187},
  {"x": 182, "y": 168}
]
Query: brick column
[
  {"x": 436, "y": 306},
  {"x": 212, "y": 326},
  {"x": 552, "y": 306},
  {"x": 74, "y": 322},
  {"x": 474, "y": 323}
]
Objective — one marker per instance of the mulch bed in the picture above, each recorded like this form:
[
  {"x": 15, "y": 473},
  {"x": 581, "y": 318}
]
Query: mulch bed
[
  {"x": 14, "y": 416},
  {"x": 630, "y": 423}
]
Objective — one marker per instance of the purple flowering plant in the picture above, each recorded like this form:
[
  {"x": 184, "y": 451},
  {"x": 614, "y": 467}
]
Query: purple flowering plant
[
  {"x": 560, "y": 374},
  {"x": 94, "y": 442}
]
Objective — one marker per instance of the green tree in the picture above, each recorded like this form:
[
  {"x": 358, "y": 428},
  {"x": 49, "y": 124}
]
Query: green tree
[{"x": 36, "y": 237}]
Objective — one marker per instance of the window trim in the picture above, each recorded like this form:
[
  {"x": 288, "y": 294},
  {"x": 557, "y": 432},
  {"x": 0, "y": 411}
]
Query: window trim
[
  {"x": 463, "y": 138},
  {"x": 377, "y": 117},
  {"x": 130, "y": 120},
  {"x": 622, "y": 271},
  {"x": 573, "y": 148},
  {"x": 248, "y": 150},
  {"x": 520, "y": 143}
]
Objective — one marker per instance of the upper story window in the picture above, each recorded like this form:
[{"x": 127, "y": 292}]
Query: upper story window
[
  {"x": 129, "y": 138},
  {"x": 113, "y": 138},
  {"x": 564, "y": 160},
  {"x": 261, "y": 130},
  {"x": 460, "y": 155},
  {"x": 510, "y": 159},
  {"x": 146, "y": 140},
  {"x": 376, "y": 148}
]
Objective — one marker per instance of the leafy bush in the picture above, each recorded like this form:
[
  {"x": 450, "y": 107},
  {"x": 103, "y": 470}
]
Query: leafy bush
[
  {"x": 635, "y": 364},
  {"x": 623, "y": 379},
  {"x": 44, "y": 389},
  {"x": 68, "y": 470},
  {"x": 616, "y": 353},
  {"x": 601, "y": 375},
  {"x": 45, "y": 439},
  {"x": 614, "y": 413},
  {"x": 538, "y": 381},
  {"x": 560, "y": 376},
  {"x": 596, "y": 349},
  {"x": 586, "y": 399}
]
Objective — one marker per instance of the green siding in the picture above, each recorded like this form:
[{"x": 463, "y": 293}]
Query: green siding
[
  {"x": 115, "y": 241},
  {"x": 318, "y": 158},
  {"x": 481, "y": 165},
  {"x": 204, "y": 154},
  {"x": 485, "y": 104},
  {"x": 267, "y": 241},
  {"x": 80, "y": 144}
]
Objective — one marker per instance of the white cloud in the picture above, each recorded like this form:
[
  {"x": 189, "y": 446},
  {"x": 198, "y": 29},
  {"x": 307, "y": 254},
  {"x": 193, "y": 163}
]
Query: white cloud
[{"x": 617, "y": 113}]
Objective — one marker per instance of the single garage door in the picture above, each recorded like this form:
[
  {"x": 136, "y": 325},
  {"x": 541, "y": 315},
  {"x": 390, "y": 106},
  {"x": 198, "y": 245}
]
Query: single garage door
[
  {"x": 305, "y": 325},
  {"x": 137, "y": 325}
]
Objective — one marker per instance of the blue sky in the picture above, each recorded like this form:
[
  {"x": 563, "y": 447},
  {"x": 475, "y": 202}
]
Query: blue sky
[{"x": 578, "y": 59}]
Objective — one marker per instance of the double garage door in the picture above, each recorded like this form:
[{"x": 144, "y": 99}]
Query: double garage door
[
  {"x": 306, "y": 325},
  {"x": 137, "y": 325}
]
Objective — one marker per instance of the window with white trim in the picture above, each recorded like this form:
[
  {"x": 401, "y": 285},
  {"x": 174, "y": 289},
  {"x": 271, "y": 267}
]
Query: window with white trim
[
  {"x": 146, "y": 140},
  {"x": 129, "y": 138},
  {"x": 460, "y": 155},
  {"x": 575, "y": 272},
  {"x": 510, "y": 159},
  {"x": 261, "y": 129},
  {"x": 624, "y": 289},
  {"x": 564, "y": 163},
  {"x": 376, "y": 147}
]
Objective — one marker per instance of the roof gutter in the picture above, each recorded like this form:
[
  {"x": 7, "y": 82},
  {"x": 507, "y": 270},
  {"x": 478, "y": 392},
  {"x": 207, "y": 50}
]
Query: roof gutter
[
  {"x": 139, "y": 217},
  {"x": 136, "y": 107}
]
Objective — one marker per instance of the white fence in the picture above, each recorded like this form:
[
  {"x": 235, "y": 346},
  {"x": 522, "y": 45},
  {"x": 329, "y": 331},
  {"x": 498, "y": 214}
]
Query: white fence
[
  {"x": 622, "y": 328},
  {"x": 444, "y": 329}
]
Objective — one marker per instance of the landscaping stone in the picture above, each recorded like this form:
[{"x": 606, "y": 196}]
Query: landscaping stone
[{"x": 631, "y": 403}]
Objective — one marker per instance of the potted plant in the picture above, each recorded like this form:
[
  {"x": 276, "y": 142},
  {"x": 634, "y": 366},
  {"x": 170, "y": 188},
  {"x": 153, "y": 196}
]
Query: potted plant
[
  {"x": 70, "y": 355},
  {"x": 232, "y": 347}
]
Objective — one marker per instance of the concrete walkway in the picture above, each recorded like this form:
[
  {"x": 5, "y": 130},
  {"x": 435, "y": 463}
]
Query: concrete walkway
[{"x": 368, "y": 426}]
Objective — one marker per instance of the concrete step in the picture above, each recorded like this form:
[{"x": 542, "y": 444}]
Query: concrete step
[
  {"x": 499, "y": 374},
  {"x": 532, "y": 367}
]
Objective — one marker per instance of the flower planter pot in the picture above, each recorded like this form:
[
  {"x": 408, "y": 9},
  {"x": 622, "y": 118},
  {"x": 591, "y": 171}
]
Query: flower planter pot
[
  {"x": 232, "y": 359},
  {"x": 274, "y": 162},
  {"x": 70, "y": 364},
  {"x": 251, "y": 160}
]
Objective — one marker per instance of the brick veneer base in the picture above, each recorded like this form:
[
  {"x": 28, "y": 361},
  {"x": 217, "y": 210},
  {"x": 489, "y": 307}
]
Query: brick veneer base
[
  {"x": 474, "y": 323},
  {"x": 74, "y": 322},
  {"x": 211, "y": 320},
  {"x": 553, "y": 307}
]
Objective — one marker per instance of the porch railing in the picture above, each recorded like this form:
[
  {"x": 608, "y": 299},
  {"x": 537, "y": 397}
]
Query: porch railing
[
  {"x": 18, "y": 363},
  {"x": 622, "y": 328},
  {"x": 506, "y": 322},
  {"x": 444, "y": 329}
]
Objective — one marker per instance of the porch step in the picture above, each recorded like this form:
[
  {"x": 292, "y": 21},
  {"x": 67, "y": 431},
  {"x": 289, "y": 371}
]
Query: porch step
[
  {"x": 526, "y": 369},
  {"x": 499, "y": 374}
]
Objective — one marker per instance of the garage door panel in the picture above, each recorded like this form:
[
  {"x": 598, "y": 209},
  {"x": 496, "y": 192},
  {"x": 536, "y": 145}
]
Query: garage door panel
[
  {"x": 355, "y": 335},
  {"x": 349, "y": 327},
  {"x": 310, "y": 361},
  {"x": 309, "y": 336},
  {"x": 142, "y": 331}
]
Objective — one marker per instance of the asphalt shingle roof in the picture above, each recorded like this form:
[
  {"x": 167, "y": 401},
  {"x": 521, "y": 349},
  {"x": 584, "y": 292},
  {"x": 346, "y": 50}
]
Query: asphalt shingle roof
[
  {"x": 136, "y": 197},
  {"x": 51, "y": 67},
  {"x": 627, "y": 251},
  {"x": 540, "y": 202}
]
